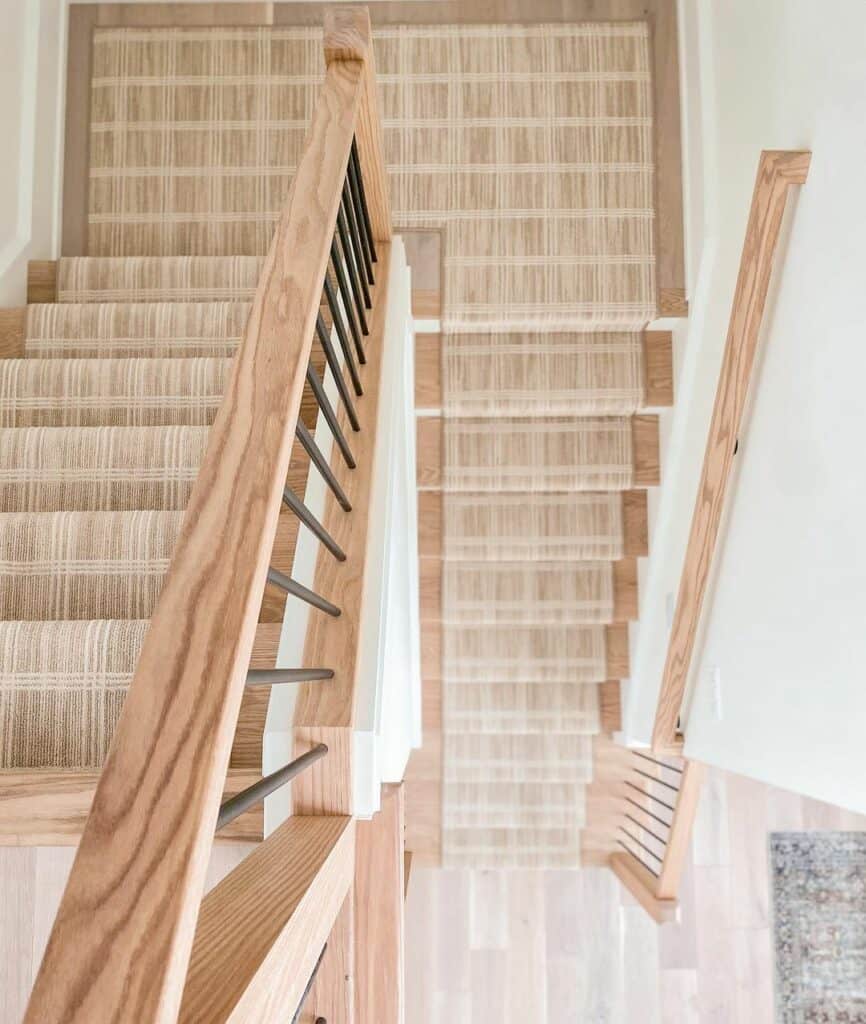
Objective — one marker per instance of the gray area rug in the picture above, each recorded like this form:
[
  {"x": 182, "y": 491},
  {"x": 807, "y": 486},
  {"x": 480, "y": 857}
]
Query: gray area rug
[{"x": 818, "y": 884}]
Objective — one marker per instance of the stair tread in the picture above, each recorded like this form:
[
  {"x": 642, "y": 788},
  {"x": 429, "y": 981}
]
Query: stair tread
[
  {"x": 84, "y": 468},
  {"x": 84, "y": 565},
  {"x": 147, "y": 329},
  {"x": 560, "y": 375},
  {"x": 157, "y": 278},
  {"x": 546, "y": 708},
  {"x": 62, "y": 687},
  {"x": 111, "y": 392},
  {"x": 522, "y": 593}
]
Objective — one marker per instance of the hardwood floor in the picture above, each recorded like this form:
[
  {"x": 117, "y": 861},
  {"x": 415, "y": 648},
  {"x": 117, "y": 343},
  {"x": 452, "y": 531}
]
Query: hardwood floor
[
  {"x": 572, "y": 947},
  {"x": 32, "y": 880}
]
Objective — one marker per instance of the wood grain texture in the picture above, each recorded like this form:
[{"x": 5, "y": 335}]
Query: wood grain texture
[
  {"x": 673, "y": 303},
  {"x": 635, "y": 524},
  {"x": 76, "y": 144},
  {"x": 426, "y": 303},
  {"x": 429, "y": 452},
  {"x": 625, "y": 590},
  {"x": 156, "y": 15},
  {"x": 326, "y": 786},
  {"x": 332, "y": 996},
  {"x": 616, "y": 638},
  {"x": 658, "y": 368},
  {"x": 262, "y": 928},
  {"x": 610, "y": 706},
  {"x": 645, "y": 439},
  {"x": 639, "y": 882},
  {"x": 41, "y": 281},
  {"x": 777, "y": 171},
  {"x": 379, "y": 892},
  {"x": 430, "y": 524},
  {"x": 49, "y": 807},
  {"x": 428, "y": 371},
  {"x": 430, "y": 589},
  {"x": 151, "y": 824},
  {"x": 680, "y": 835},
  {"x": 348, "y": 38},
  {"x": 13, "y": 326},
  {"x": 334, "y": 641}
]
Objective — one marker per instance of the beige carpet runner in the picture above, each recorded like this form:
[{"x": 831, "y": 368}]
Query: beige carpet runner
[{"x": 532, "y": 147}]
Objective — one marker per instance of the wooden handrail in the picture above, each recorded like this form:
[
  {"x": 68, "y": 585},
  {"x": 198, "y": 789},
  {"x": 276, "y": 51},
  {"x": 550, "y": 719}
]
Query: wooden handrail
[
  {"x": 777, "y": 171},
  {"x": 641, "y": 884},
  {"x": 262, "y": 928},
  {"x": 122, "y": 938}
]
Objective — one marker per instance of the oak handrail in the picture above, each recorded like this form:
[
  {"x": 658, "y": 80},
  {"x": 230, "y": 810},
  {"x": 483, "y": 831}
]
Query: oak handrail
[
  {"x": 777, "y": 171},
  {"x": 122, "y": 938}
]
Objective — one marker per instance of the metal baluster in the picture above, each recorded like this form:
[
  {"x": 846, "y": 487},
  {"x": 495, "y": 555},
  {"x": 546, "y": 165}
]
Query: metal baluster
[
  {"x": 355, "y": 238},
  {"x": 321, "y": 464},
  {"x": 355, "y": 189},
  {"x": 272, "y": 676},
  {"x": 364, "y": 209},
  {"x": 640, "y": 860},
  {"x": 649, "y": 813},
  {"x": 654, "y": 799},
  {"x": 249, "y": 797},
  {"x": 351, "y": 269},
  {"x": 337, "y": 317},
  {"x": 643, "y": 828},
  {"x": 640, "y": 844},
  {"x": 661, "y": 764},
  {"x": 307, "y": 988},
  {"x": 337, "y": 373},
  {"x": 660, "y": 782},
  {"x": 290, "y": 586},
  {"x": 348, "y": 305},
  {"x": 330, "y": 416},
  {"x": 293, "y": 502}
]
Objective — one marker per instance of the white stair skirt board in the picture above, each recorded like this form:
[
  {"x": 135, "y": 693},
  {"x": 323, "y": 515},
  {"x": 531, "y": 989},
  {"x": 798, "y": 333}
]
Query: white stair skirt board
[{"x": 388, "y": 694}]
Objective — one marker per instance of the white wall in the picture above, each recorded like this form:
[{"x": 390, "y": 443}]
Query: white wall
[
  {"x": 32, "y": 86},
  {"x": 778, "y": 689}
]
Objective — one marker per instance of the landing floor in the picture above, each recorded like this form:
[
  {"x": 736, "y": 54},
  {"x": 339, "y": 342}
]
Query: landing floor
[{"x": 572, "y": 947}]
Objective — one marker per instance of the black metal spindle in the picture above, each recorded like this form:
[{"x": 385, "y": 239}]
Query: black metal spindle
[
  {"x": 364, "y": 208},
  {"x": 654, "y": 799},
  {"x": 321, "y": 464},
  {"x": 648, "y": 813},
  {"x": 355, "y": 238},
  {"x": 661, "y": 764},
  {"x": 249, "y": 797},
  {"x": 351, "y": 269},
  {"x": 653, "y": 778},
  {"x": 355, "y": 189},
  {"x": 640, "y": 860},
  {"x": 646, "y": 849},
  {"x": 348, "y": 304},
  {"x": 293, "y": 502},
  {"x": 307, "y": 988},
  {"x": 330, "y": 416},
  {"x": 273, "y": 676},
  {"x": 337, "y": 373},
  {"x": 290, "y": 586},
  {"x": 342, "y": 337},
  {"x": 649, "y": 832}
]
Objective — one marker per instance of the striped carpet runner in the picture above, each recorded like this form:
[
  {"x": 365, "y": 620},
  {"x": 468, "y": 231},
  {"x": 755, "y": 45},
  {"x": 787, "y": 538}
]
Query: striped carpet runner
[{"x": 532, "y": 147}]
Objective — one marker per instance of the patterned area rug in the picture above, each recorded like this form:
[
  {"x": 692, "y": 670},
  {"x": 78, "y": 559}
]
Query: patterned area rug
[{"x": 819, "y": 897}]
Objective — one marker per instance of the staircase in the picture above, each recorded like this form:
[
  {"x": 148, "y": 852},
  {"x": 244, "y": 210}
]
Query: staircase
[
  {"x": 105, "y": 421},
  {"x": 169, "y": 419}
]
